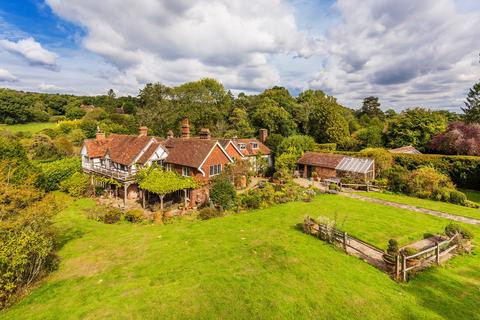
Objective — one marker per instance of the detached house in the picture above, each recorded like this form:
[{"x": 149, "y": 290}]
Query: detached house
[
  {"x": 254, "y": 149},
  {"x": 121, "y": 156}
]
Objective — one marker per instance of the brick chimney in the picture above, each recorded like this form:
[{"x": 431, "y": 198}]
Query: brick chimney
[
  {"x": 263, "y": 135},
  {"x": 205, "y": 134},
  {"x": 143, "y": 132},
  {"x": 170, "y": 134},
  {"x": 100, "y": 135},
  {"x": 185, "y": 128}
]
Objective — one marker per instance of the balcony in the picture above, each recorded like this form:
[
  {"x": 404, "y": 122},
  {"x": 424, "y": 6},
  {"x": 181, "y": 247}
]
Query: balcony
[{"x": 110, "y": 172}]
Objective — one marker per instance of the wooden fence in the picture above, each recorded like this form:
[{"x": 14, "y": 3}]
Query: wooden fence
[
  {"x": 424, "y": 258},
  {"x": 397, "y": 266}
]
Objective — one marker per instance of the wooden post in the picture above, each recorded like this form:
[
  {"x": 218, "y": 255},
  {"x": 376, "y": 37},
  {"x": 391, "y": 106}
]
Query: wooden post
[
  {"x": 404, "y": 268},
  {"x": 345, "y": 241},
  {"x": 125, "y": 188},
  {"x": 143, "y": 199},
  {"x": 437, "y": 251},
  {"x": 397, "y": 267}
]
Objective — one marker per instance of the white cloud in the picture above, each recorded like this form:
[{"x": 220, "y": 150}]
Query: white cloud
[
  {"x": 49, "y": 87},
  {"x": 406, "y": 52},
  {"x": 6, "y": 76},
  {"x": 174, "y": 41},
  {"x": 30, "y": 50}
]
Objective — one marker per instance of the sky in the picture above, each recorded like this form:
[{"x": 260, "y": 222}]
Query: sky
[{"x": 408, "y": 53}]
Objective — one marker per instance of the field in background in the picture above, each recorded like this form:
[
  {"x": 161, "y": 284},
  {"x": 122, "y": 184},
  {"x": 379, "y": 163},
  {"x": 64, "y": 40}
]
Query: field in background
[
  {"x": 250, "y": 265},
  {"x": 33, "y": 127},
  {"x": 426, "y": 204}
]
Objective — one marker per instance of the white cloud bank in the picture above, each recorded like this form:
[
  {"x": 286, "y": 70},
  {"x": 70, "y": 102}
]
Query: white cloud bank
[
  {"x": 30, "y": 50},
  {"x": 174, "y": 41},
  {"x": 407, "y": 52},
  {"x": 6, "y": 76}
]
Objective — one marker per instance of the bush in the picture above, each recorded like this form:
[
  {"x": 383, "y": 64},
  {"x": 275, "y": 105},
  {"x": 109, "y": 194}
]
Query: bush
[
  {"x": 134, "y": 216},
  {"x": 208, "y": 213},
  {"x": 397, "y": 178},
  {"x": 392, "y": 247},
  {"x": 410, "y": 251},
  {"x": 383, "y": 159},
  {"x": 457, "y": 197},
  {"x": 57, "y": 171},
  {"x": 325, "y": 147},
  {"x": 105, "y": 214},
  {"x": 452, "y": 228},
  {"x": 425, "y": 182},
  {"x": 333, "y": 186},
  {"x": 222, "y": 193},
  {"x": 251, "y": 200},
  {"x": 76, "y": 185}
]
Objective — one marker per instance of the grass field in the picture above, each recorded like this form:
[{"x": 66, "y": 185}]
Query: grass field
[
  {"x": 33, "y": 127},
  {"x": 427, "y": 204},
  {"x": 254, "y": 265},
  {"x": 472, "y": 195}
]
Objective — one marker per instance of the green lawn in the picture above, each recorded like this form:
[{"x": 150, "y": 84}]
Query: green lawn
[
  {"x": 254, "y": 265},
  {"x": 33, "y": 127},
  {"x": 472, "y": 195},
  {"x": 427, "y": 204}
]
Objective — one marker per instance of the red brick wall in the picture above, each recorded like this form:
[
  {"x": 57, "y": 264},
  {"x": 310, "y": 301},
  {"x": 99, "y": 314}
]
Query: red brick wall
[
  {"x": 217, "y": 156},
  {"x": 325, "y": 172}
]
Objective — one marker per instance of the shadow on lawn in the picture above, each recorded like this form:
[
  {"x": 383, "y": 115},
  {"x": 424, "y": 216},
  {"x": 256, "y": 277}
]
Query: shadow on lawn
[
  {"x": 67, "y": 235},
  {"x": 452, "y": 294}
]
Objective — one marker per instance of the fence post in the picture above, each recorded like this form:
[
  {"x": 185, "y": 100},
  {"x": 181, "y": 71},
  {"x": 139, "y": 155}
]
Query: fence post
[
  {"x": 345, "y": 241},
  {"x": 404, "y": 268},
  {"x": 437, "y": 251},
  {"x": 397, "y": 267}
]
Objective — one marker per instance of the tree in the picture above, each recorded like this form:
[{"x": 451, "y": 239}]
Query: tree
[
  {"x": 414, "y": 127},
  {"x": 370, "y": 137},
  {"x": 273, "y": 117},
  {"x": 299, "y": 142},
  {"x": 327, "y": 123},
  {"x": 222, "y": 192},
  {"x": 472, "y": 105},
  {"x": 273, "y": 141},
  {"x": 371, "y": 108},
  {"x": 239, "y": 124},
  {"x": 460, "y": 138},
  {"x": 161, "y": 182},
  {"x": 287, "y": 162}
]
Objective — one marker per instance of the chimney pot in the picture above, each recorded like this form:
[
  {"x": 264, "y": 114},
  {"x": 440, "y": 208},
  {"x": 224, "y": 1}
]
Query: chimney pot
[
  {"x": 185, "y": 128},
  {"x": 263, "y": 135},
  {"x": 205, "y": 134},
  {"x": 143, "y": 131},
  {"x": 100, "y": 135}
]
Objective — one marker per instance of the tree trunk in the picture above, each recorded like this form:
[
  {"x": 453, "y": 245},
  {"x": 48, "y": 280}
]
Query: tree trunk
[
  {"x": 143, "y": 199},
  {"x": 161, "y": 201}
]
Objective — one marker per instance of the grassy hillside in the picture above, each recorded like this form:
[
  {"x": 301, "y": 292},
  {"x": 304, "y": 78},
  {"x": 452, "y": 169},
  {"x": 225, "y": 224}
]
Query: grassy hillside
[
  {"x": 33, "y": 127},
  {"x": 246, "y": 266},
  {"x": 427, "y": 204}
]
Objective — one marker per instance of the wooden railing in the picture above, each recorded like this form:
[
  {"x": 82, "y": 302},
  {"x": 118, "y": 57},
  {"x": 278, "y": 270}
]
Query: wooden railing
[{"x": 111, "y": 172}]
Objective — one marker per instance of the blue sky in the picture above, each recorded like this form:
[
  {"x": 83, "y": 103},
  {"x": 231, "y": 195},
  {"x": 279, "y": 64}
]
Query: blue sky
[{"x": 408, "y": 53}]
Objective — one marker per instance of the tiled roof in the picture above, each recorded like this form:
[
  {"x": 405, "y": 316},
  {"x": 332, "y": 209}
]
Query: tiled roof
[
  {"x": 249, "y": 150},
  {"x": 149, "y": 152},
  {"x": 406, "y": 149},
  {"x": 120, "y": 148},
  {"x": 324, "y": 160},
  {"x": 188, "y": 152}
]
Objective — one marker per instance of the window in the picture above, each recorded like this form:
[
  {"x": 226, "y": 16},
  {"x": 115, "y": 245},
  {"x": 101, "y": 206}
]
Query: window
[
  {"x": 242, "y": 146},
  {"x": 215, "y": 169},
  {"x": 254, "y": 145},
  {"x": 185, "y": 171},
  {"x": 168, "y": 166}
]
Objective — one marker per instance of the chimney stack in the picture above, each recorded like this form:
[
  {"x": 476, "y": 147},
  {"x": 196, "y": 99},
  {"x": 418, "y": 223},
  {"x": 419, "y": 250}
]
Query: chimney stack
[
  {"x": 185, "y": 128},
  {"x": 170, "y": 134},
  {"x": 205, "y": 134},
  {"x": 100, "y": 135},
  {"x": 143, "y": 131},
  {"x": 263, "y": 135}
]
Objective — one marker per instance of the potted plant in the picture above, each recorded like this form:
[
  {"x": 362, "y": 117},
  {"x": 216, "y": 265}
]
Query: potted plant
[
  {"x": 390, "y": 256},
  {"x": 315, "y": 176}
]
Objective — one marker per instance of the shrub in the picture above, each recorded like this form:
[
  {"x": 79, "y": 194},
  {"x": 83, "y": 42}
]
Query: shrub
[
  {"x": 383, "y": 159},
  {"x": 251, "y": 200},
  {"x": 333, "y": 186},
  {"x": 57, "y": 171},
  {"x": 397, "y": 178},
  {"x": 426, "y": 181},
  {"x": 222, "y": 193},
  {"x": 392, "y": 247},
  {"x": 76, "y": 185},
  {"x": 452, "y": 228},
  {"x": 457, "y": 197},
  {"x": 208, "y": 213},
  {"x": 410, "y": 251},
  {"x": 105, "y": 214},
  {"x": 134, "y": 216},
  {"x": 325, "y": 147},
  {"x": 471, "y": 204}
]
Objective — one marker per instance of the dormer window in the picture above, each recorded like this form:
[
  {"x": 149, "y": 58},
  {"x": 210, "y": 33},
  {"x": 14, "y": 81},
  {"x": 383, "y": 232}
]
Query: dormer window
[
  {"x": 254, "y": 145},
  {"x": 242, "y": 146}
]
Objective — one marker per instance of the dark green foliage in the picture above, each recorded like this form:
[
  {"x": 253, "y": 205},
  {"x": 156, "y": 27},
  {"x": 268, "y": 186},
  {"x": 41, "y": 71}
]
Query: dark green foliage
[
  {"x": 78, "y": 184},
  {"x": 371, "y": 108},
  {"x": 457, "y": 197},
  {"x": 273, "y": 141},
  {"x": 75, "y": 113},
  {"x": 134, "y": 216},
  {"x": 105, "y": 214},
  {"x": 301, "y": 144},
  {"x": 472, "y": 104},
  {"x": 208, "y": 213},
  {"x": 392, "y": 247},
  {"x": 57, "y": 171},
  {"x": 453, "y": 228},
  {"x": 222, "y": 193}
]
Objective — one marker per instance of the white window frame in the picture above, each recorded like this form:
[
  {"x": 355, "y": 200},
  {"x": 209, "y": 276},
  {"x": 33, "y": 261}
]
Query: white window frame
[
  {"x": 242, "y": 146},
  {"x": 215, "y": 169},
  {"x": 186, "y": 171},
  {"x": 254, "y": 145},
  {"x": 168, "y": 166}
]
